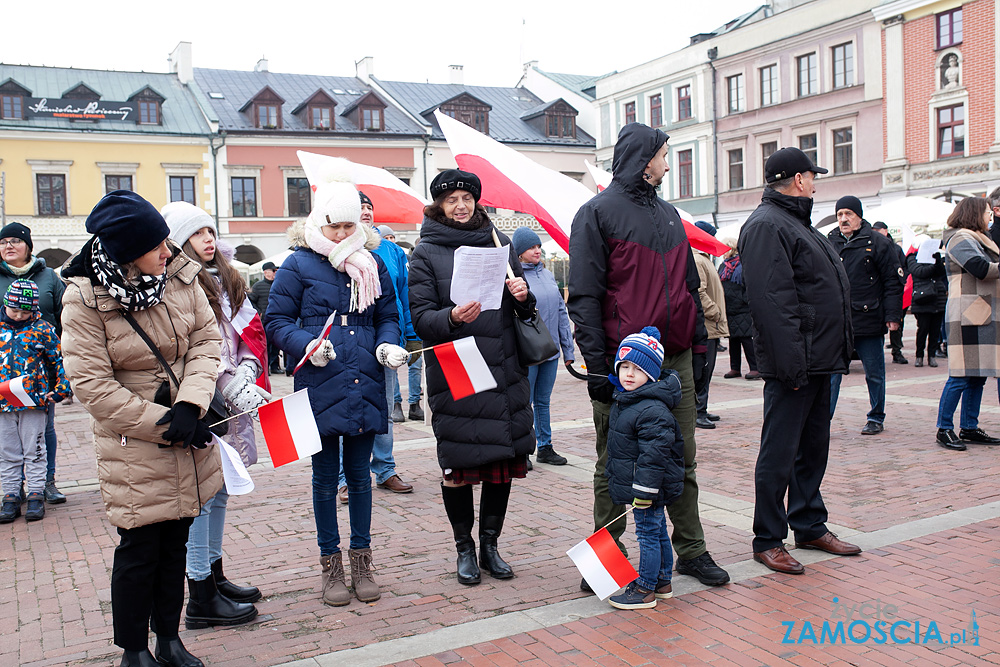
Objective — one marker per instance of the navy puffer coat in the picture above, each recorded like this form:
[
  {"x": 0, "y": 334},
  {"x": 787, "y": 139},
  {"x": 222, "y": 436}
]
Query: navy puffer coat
[
  {"x": 492, "y": 425},
  {"x": 645, "y": 446},
  {"x": 348, "y": 394}
]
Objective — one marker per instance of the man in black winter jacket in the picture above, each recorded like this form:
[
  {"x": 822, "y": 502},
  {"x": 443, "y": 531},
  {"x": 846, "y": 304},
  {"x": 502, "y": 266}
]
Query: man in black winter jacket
[
  {"x": 872, "y": 266},
  {"x": 631, "y": 266},
  {"x": 799, "y": 300},
  {"x": 896, "y": 336}
]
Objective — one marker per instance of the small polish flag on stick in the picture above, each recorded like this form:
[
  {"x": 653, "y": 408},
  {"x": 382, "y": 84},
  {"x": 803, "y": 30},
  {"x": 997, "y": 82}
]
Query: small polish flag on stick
[
  {"x": 312, "y": 347},
  {"x": 602, "y": 563},
  {"x": 13, "y": 392},
  {"x": 289, "y": 428},
  {"x": 464, "y": 368}
]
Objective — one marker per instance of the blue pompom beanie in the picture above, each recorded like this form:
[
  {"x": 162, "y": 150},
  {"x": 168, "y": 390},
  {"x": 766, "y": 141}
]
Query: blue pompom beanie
[
  {"x": 644, "y": 350},
  {"x": 523, "y": 239}
]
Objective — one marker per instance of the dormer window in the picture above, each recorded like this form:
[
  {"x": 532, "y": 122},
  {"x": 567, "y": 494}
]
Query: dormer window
[
  {"x": 267, "y": 116},
  {"x": 318, "y": 110},
  {"x": 321, "y": 118},
  {"x": 371, "y": 119},
  {"x": 12, "y": 96},
  {"x": 266, "y": 109},
  {"x": 560, "y": 122},
  {"x": 148, "y": 103},
  {"x": 469, "y": 110},
  {"x": 367, "y": 112}
]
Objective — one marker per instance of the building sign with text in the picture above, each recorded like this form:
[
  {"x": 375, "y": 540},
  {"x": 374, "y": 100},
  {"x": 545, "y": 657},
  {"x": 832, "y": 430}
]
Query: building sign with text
[{"x": 41, "y": 107}]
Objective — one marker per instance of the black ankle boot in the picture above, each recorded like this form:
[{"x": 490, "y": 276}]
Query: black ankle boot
[
  {"x": 141, "y": 658},
  {"x": 172, "y": 652},
  {"x": 492, "y": 511},
  {"x": 231, "y": 590},
  {"x": 462, "y": 515},
  {"x": 207, "y": 606}
]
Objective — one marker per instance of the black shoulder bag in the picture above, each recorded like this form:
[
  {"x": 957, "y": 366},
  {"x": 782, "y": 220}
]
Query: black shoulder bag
[{"x": 217, "y": 411}]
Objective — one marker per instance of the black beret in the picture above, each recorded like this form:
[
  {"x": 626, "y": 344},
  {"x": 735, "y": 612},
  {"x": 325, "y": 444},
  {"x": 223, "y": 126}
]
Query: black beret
[{"x": 456, "y": 179}]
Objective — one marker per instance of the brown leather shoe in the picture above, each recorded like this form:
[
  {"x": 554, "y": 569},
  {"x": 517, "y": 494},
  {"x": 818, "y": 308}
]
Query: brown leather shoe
[
  {"x": 342, "y": 494},
  {"x": 831, "y": 544},
  {"x": 779, "y": 560},
  {"x": 396, "y": 485}
]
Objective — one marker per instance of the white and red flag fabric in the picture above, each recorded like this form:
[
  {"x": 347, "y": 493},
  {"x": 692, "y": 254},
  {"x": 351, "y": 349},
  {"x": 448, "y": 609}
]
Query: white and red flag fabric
[
  {"x": 14, "y": 392},
  {"x": 314, "y": 345},
  {"x": 250, "y": 329},
  {"x": 464, "y": 368},
  {"x": 393, "y": 200},
  {"x": 602, "y": 564},
  {"x": 289, "y": 428}
]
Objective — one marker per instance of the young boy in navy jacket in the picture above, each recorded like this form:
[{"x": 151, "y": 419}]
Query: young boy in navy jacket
[{"x": 645, "y": 465}]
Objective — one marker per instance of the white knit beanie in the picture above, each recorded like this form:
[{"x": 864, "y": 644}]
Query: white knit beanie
[
  {"x": 184, "y": 220},
  {"x": 336, "y": 201}
]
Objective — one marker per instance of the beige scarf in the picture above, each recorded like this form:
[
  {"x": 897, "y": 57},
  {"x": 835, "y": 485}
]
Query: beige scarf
[{"x": 350, "y": 256}]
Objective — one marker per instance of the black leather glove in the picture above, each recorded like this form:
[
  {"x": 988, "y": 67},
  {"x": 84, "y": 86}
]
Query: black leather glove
[
  {"x": 698, "y": 362},
  {"x": 185, "y": 427},
  {"x": 600, "y": 388}
]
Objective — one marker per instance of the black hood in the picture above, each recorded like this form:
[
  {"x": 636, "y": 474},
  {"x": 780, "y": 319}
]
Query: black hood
[{"x": 637, "y": 144}]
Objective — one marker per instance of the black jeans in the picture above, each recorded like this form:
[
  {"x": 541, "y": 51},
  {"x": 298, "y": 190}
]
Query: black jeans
[
  {"x": 147, "y": 582},
  {"x": 896, "y": 337},
  {"x": 746, "y": 342},
  {"x": 929, "y": 330},
  {"x": 794, "y": 446},
  {"x": 701, "y": 398}
]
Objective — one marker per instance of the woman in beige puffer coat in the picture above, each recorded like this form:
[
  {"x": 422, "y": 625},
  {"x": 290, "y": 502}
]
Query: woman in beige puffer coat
[{"x": 151, "y": 490}]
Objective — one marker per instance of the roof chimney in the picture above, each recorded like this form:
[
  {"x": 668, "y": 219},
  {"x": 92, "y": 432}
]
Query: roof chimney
[
  {"x": 455, "y": 74},
  {"x": 180, "y": 62},
  {"x": 261, "y": 65},
  {"x": 365, "y": 68}
]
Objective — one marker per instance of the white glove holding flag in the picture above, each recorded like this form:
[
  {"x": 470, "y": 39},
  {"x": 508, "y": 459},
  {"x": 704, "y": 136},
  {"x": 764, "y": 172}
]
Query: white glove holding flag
[
  {"x": 244, "y": 395},
  {"x": 323, "y": 355},
  {"x": 249, "y": 369},
  {"x": 391, "y": 356}
]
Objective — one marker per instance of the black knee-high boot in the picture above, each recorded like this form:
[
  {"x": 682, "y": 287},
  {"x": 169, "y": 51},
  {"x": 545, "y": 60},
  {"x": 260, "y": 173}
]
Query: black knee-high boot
[
  {"x": 462, "y": 515},
  {"x": 492, "y": 511}
]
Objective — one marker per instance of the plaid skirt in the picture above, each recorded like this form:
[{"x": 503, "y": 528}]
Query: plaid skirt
[{"x": 498, "y": 472}]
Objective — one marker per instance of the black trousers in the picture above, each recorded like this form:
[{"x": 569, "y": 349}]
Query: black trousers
[
  {"x": 896, "y": 337},
  {"x": 794, "y": 447},
  {"x": 929, "y": 331},
  {"x": 735, "y": 344},
  {"x": 147, "y": 582},
  {"x": 701, "y": 398}
]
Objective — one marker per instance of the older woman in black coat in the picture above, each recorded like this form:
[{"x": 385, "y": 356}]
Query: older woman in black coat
[{"x": 485, "y": 437}]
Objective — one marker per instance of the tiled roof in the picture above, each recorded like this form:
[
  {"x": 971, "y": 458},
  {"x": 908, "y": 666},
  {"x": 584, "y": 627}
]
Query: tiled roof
[
  {"x": 180, "y": 113},
  {"x": 237, "y": 87},
  {"x": 508, "y": 105}
]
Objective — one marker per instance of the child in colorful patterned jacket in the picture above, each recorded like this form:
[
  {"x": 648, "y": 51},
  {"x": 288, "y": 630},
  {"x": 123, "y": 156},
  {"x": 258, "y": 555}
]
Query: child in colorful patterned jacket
[{"x": 31, "y": 376}]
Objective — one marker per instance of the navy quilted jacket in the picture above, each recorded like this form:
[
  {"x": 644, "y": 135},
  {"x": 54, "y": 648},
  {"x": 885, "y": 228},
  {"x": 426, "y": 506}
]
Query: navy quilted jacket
[
  {"x": 348, "y": 394},
  {"x": 645, "y": 446}
]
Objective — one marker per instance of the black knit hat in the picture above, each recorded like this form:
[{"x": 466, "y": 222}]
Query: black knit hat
[
  {"x": 15, "y": 230},
  {"x": 128, "y": 225},
  {"x": 456, "y": 179},
  {"x": 851, "y": 203},
  {"x": 365, "y": 199}
]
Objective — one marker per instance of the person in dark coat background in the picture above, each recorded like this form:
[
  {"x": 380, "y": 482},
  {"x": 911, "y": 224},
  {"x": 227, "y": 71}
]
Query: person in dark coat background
[
  {"x": 876, "y": 293},
  {"x": 333, "y": 270},
  {"x": 799, "y": 299},
  {"x": 259, "y": 295},
  {"x": 896, "y": 335},
  {"x": 737, "y": 314},
  {"x": 930, "y": 296},
  {"x": 630, "y": 266},
  {"x": 485, "y": 437}
]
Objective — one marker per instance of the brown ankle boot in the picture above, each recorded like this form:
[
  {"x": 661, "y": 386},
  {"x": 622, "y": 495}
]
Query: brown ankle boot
[
  {"x": 335, "y": 591},
  {"x": 361, "y": 575}
]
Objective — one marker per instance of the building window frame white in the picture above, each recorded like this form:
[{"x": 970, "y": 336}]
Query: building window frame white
[
  {"x": 190, "y": 169},
  {"x": 847, "y": 76},
  {"x": 53, "y": 168},
  {"x": 736, "y": 93}
]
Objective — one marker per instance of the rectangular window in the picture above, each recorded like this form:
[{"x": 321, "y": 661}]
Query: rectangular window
[
  {"x": 629, "y": 112},
  {"x": 685, "y": 174},
  {"x": 267, "y": 116},
  {"x": 481, "y": 123},
  {"x": 299, "y": 197},
  {"x": 656, "y": 110},
  {"x": 112, "y": 183},
  {"x": 371, "y": 118},
  {"x": 843, "y": 151},
  {"x": 149, "y": 113},
  {"x": 736, "y": 93},
  {"x": 768, "y": 85},
  {"x": 736, "y": 169},
  {"x": 951, "y": 131},
  {"x": 807, "y": 144},
  {"x": 949, "y": 28},
  {"x": 843, "y": 65},
  {"x": 569, "y": 127},
  {"x": 182, "y": 189},
  {"x": 51, "y": 194},
  {"x": 683, "y": 102},
  {"x": 244, "y": 197},
  {"x": 808, "y": 75},
  {"x": 320, "y": 117},
  {"x": 10, "y": 107},
  {"x": 766, "y": 150}
]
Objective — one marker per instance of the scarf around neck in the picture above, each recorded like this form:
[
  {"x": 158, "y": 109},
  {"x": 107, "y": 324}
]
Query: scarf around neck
[
  {"x": 138, "y": 294},
  {"x": 350, "y": 257}
]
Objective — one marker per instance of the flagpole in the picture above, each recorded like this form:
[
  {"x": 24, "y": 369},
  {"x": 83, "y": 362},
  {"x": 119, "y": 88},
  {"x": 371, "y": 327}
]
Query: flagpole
[
  {"x": 613, "y": 520},
  {"x": 223, "y": 421}
]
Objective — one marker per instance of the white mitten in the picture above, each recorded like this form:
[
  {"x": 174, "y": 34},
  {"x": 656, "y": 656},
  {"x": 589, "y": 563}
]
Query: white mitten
[
  {"x": 323, "y": 355},
  {"x": 391, "y": 356},
  {"x": 242, "y": 394},
  {"x": 249, "y": 369}
]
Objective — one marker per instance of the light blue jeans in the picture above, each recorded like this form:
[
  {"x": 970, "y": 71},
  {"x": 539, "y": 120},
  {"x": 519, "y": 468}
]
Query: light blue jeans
[
  {"x": 413, "y": 382},
  {"x": 542, "y": 378},
  {"x": 656, "y": 557},
  {"x": 383, "y": 464},
  {"x": 204, "y": 545},
  {"x": 970, "y": 391}
]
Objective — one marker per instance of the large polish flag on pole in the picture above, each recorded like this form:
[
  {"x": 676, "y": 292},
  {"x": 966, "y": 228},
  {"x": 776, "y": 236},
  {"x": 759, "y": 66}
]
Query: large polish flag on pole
[
  {"x": 602, "y": 564},
  {"x": 464, "y": 368},
  {"x": 393, "y": 200},
  {"x": 13, "y": 392},
  {"x": 696, "y": 237},
  {"x": 250, "y": 329},
  {"x": 289, "y": 428}
]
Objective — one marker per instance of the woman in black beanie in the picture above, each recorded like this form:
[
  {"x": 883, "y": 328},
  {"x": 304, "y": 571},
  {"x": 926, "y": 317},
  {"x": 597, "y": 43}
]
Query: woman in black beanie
[{"x": 152, "y": 461}]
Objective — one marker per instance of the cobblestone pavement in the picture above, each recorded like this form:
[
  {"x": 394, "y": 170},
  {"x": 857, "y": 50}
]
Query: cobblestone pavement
[{"x": 929, "y": 520}]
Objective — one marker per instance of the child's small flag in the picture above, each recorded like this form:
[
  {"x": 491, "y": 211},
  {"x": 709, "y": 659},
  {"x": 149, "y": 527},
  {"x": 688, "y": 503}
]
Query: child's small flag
[
  {"x": 464, "y": 368},
  {"x": 312, "y": 347},
  {"x": 602, "y": 564},
  {"x": 289, "y": 428},
  {"x": 13, "y": 392}
]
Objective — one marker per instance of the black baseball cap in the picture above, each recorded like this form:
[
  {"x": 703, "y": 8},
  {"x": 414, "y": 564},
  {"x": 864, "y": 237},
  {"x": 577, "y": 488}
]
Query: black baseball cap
[{"x": 787, "y": 162}]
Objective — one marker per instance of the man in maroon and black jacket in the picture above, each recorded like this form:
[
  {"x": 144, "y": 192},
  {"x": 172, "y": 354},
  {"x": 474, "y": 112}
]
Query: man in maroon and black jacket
[{"x": 631, "y": 266}]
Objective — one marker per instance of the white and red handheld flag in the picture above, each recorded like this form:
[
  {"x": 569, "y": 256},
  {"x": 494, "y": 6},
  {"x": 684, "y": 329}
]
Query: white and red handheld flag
[
  {"x": 464, "y": 368},
  {"x": 13, "y": 392},
  {"x": 250, "y": 329},
  {"x": 289, "y": 428},
  {"x": 602, "y": 564},
  {"x": 313, "y": 346}
]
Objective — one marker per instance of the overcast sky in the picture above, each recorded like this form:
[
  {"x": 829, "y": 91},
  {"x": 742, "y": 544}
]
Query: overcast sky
[{"x": 410, "y": 41}]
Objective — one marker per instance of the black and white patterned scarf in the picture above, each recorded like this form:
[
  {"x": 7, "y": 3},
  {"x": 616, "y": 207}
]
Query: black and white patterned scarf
[{"x": 138, "y": 294}]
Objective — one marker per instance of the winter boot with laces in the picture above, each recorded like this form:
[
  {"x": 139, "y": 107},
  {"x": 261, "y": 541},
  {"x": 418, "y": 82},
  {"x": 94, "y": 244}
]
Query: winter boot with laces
[
  {"x": 335, "y": 591},
  {"x": 362, "y": 580}
]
